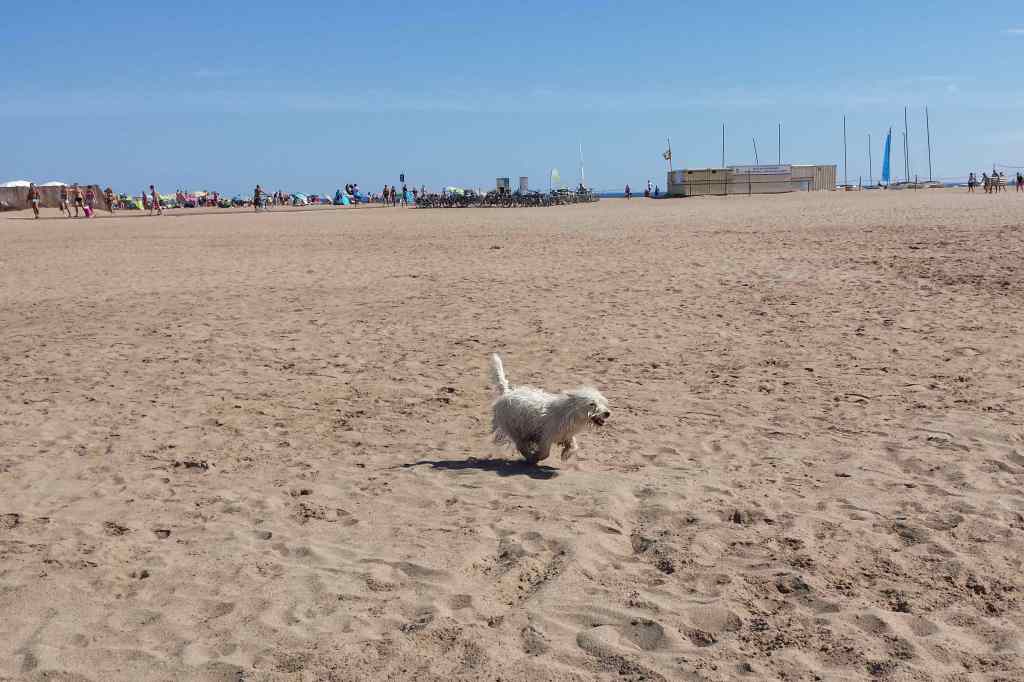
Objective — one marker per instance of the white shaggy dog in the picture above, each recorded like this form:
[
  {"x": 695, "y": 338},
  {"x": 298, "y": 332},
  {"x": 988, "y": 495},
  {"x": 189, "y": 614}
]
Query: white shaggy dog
[{"x": 534, "y": 420}]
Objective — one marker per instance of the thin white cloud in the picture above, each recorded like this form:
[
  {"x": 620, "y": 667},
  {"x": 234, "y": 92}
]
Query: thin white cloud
[
  {"x": 850, "y": 97},
  {"x": 1014, "y": 31},
  {"x": 1003, "y": 137},
  {"x": 213, "y": 72}
]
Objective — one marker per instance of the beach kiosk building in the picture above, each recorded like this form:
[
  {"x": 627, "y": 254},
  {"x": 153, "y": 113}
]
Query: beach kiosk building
[{"x": 760, "y": 179}]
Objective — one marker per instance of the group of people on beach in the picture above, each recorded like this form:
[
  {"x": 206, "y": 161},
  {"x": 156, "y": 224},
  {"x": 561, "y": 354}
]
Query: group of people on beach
[
  {"x": 390, "y": 196},
  {"x": 648, "y": 192},
  {"x": 84, "y": 201},
  {"x": 995, "y": 183}
]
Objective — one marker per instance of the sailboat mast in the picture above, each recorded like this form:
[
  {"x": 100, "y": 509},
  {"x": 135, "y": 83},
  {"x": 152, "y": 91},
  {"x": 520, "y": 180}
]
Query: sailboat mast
[
  {"x": 756, "y": 161},
  {"x": 871, "y": 169},
  {"x": 723, "y": 145},
  {"x": 928, "y": 129},
  {"x": 846, "y": 180},
  {"x": 906, "y": 143}
]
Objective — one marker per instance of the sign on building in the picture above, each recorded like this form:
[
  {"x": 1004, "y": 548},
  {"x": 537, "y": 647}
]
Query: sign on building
[{"x": 785, "y": 169}]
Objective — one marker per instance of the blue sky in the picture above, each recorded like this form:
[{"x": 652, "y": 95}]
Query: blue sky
[{"x": 309, "y": 96}]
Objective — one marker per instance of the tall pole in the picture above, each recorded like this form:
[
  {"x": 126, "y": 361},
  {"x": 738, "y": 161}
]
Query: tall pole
[
  {"x": 928, "y": 128},
  {"x": 583, "y": 176},
  {"x": 906, "y": 168},
  {"x": 669, "y": 155},
  {"x": 723, "y": 145},
  {"x": 871, "y": 169},
  {"x": 780, "y": 144},
  {"x": 846, "y": 180},
  {"x": 756, "y": 161},
  {"x": 906, "y": 142}
]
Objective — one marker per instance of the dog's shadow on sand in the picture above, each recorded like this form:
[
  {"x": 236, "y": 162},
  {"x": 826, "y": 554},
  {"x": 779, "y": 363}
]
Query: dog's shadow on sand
[{"x": 501, "y": 467}]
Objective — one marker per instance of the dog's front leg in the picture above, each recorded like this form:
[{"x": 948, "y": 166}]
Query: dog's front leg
[
  {"x": 542, "y": 452},
  {"x": 568, "y": 448}
]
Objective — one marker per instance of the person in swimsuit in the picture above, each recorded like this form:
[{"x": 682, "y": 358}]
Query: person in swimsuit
[
  {"x": 108, "y": 194},
  {"x": 64, "y": 207},
  {"x": 257, "y": 198},
  {"x": 78, "y": 198},
  {"x": 629, "y": 194},
  {"x": 154, "y": 202},
  {"x": 33, "y": 198}
]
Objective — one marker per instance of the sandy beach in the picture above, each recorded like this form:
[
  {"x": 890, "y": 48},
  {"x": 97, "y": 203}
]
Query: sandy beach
[{"x": 240, "y": 446}]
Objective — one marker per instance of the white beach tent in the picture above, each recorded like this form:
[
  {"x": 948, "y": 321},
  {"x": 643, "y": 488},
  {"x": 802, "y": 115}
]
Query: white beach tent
[
  {"x": 54, "y": 183},
  {"x": 16, "y": 183}
]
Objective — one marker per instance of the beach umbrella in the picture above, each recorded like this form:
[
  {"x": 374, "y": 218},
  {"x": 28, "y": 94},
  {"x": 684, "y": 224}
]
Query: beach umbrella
[{"x": 16, "y": 183}]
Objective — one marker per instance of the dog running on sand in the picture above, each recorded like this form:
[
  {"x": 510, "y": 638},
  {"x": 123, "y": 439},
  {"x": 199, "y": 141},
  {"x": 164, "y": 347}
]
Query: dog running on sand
[{"x": 534, "y": 420}]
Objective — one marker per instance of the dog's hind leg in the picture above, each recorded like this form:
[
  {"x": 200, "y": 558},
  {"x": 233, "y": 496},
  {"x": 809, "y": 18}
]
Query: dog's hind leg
[{"x": 569, "y": 447}]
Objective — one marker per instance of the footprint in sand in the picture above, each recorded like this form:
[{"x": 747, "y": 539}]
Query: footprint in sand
[
  {"x": 609, "y": 644},
  {"x": 526, "y": 564}
]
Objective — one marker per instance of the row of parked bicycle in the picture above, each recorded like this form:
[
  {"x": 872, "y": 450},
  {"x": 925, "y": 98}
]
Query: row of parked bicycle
[{"x": 499, "y": 199}]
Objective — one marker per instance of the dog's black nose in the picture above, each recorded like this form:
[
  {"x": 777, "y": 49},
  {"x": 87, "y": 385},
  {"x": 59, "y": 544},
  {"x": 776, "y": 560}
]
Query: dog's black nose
[{"x": 606, "y": 414}]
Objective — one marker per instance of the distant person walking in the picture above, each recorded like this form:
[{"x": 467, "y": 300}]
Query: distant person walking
[
  {"x": 405, "y": 195},
  {"x": 972, "y": 182},
  {"x": 257, "y": 198},
  {"x": 394, "y": 196},
  {"x": 1020, "y": 182},
  {"x": 986, "y": 184},
  {"x": 154, "y": 202},
  {"x": 33, "y": 198},
  {"x": 65, "y": 208},
  {"x": 78, "y": 198},
  {"x": 108, "y": 195},
  {"x": 629, "y": 193}
]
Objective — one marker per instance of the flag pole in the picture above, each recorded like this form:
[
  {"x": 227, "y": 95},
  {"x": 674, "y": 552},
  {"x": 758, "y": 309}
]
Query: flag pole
[
  {"x": 757, "y": 162},
  {"x": 780, "y": 143},
  {"x": 669, "y": 154}
]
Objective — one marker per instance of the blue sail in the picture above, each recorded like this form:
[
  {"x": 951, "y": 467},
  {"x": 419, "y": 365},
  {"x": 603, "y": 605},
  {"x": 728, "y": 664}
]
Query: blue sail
[{"x": 885, "y": 158}]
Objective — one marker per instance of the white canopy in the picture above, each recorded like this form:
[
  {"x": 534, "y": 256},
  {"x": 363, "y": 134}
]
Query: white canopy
[
  {"x": 16, "y": 183},
  {"x": 54, "y": 183}
]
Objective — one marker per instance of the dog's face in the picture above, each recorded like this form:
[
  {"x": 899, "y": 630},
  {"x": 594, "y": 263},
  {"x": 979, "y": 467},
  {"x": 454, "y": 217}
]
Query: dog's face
[{"x": 591, "y": 405}]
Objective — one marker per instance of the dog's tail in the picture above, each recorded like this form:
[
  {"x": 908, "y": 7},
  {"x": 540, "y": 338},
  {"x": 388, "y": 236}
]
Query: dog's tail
[{"x": 498, "y": 374}]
